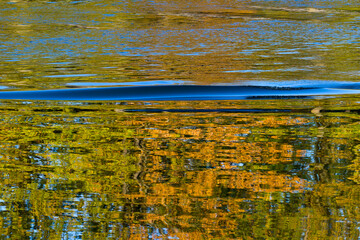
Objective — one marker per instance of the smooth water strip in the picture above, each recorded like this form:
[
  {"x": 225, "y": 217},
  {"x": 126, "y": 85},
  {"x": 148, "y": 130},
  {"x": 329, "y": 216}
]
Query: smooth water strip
[{"x": 175, "y": 92}]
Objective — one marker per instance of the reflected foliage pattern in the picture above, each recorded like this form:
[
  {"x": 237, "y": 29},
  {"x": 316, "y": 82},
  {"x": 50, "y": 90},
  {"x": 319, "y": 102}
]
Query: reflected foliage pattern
[{"x": 97, "y": 171}]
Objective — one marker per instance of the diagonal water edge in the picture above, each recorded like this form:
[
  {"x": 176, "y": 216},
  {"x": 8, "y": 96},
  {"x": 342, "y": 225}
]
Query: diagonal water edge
[{"x": 177, "y": 92}]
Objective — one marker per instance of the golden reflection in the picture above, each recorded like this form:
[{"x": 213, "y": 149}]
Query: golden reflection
[{"x": 183, "y": 175}]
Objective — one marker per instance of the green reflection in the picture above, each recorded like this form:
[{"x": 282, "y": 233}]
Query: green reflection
[{"x": 93, "y": 170}]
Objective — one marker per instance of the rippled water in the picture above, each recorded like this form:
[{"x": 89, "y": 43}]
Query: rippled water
[
  {"x": 179, "y": 119},
  {"x": 56, "y": 44}
]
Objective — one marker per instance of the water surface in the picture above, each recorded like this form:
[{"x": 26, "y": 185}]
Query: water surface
[
  {"x": 179, "y": 119},
  {"x": 52, "y": 44},
  {"x": 188, "y": 170}
]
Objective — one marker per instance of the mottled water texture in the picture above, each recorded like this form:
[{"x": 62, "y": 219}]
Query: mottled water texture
[
  {"x": 188, "y": 170},
  {"x": 207, "y": 119},
  {"x": 53, "y": 44}
]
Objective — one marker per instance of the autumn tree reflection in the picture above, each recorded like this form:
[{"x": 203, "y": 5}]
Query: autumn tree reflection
[{"x": 186, "y": 175}]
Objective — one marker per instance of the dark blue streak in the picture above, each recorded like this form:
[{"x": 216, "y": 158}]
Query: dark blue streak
[
  {"x": 219, "y": 110},
  {"x": 174, "y": 92}
]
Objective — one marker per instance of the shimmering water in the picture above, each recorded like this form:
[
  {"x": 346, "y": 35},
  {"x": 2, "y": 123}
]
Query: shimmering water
[
  {"x": 262, "y": 141},
  {"x": 53, "y": 44}
]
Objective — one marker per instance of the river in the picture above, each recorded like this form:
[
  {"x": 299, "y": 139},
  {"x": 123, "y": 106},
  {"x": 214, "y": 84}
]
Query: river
[{"x": 207, "y": 119}]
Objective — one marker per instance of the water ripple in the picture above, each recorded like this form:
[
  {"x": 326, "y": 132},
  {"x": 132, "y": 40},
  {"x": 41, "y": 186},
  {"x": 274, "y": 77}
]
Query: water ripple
[{"x": 181, "y": 92}]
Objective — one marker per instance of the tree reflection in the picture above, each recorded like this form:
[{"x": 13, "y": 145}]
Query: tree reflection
[{"x": 97, "y": 172}]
